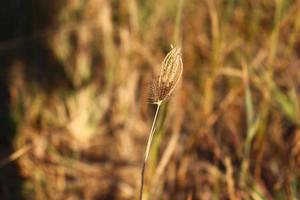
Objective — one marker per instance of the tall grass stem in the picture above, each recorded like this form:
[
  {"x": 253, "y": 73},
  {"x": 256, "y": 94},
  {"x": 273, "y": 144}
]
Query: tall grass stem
[{"x": 150, "y": 138}]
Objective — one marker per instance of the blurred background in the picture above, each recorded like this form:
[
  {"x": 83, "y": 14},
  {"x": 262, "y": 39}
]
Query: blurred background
[{"x": 74, "y": 79}]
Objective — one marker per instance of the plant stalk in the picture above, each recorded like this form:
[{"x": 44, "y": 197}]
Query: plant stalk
[{"x": 148, "y": 149}]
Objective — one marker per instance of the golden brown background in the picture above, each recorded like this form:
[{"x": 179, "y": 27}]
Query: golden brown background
[{"x": 74, "y": 79}]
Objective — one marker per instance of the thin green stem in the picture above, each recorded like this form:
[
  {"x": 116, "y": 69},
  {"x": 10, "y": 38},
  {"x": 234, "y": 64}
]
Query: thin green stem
[{"x": 148, "y": 149}]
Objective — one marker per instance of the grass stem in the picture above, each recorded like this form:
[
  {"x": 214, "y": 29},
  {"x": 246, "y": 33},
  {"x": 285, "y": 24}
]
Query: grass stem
[{"x": 150, "y": 138}]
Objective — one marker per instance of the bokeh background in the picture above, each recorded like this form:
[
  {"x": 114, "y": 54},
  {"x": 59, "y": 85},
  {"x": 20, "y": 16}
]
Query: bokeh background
[{"x": 74, "y": 79}]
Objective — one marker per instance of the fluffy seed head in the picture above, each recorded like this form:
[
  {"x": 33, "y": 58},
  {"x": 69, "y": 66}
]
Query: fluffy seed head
[{"x": 170, "y": 73}]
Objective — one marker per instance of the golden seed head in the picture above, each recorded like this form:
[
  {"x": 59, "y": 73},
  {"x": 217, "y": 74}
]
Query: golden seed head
[{"x": 171, "y": 70}]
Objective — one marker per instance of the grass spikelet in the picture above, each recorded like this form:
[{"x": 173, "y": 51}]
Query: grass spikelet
[
  {"x": 162, "y": 87},
  {"x": 171, "y": 70}
]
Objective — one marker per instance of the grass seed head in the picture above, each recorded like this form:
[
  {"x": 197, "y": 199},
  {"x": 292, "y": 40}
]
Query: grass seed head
[{"x": 171, "y": 70}]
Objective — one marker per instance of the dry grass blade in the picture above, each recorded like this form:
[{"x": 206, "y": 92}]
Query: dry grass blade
[
  {"x": 161, "y": 89},
  {"x": 15, "y": 155}
]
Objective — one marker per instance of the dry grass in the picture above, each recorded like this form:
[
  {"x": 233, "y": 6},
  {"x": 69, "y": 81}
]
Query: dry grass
[
  {"x": 161, "y": 89},
  {"x": 74, "y": 89}
]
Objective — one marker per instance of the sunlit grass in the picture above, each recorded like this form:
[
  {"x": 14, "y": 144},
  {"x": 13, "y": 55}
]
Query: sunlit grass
[{"x": 232, "y": 131}]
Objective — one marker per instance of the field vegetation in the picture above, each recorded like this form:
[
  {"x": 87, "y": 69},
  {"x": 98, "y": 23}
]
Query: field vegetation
[{"x": 75, "y": 116}]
